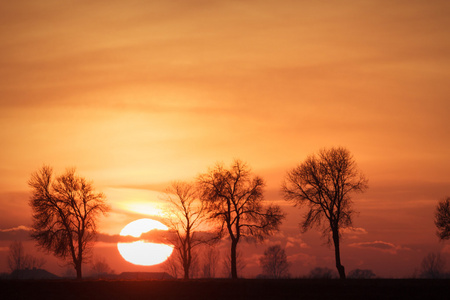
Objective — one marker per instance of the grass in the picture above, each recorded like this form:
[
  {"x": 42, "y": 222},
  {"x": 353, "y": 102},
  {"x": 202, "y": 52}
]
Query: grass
[{"x": 227, "y": 289}]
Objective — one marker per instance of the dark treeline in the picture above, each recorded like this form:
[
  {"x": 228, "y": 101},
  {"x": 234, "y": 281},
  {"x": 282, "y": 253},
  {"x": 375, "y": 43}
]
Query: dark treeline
[{"x": 221, "y": 204}]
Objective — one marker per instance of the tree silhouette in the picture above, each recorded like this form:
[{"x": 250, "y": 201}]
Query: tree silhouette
[
  {"x": 100, "y": 268},
  {"x": 234, "y": 198},
  {"x": 19, "y": 260},
  {"x": 274, "y": 262},
  {"x": 65, "y": 211},
  {"x": 172, "y": 265},
  {"x": 442, "y": 219},
  {"x": 432, "y": 266},
  {"x": 324, "y": 182},
  {"x": 185, "y": 216},
  {"x": 209, "y": 262}
]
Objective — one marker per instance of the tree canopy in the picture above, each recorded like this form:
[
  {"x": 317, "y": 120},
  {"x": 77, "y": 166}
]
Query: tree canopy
[
  {"x": 442, "y": 219},
  {"x": 274, "y": 262},
  {"x": 323, "y": 183},
  {"x": 65, "y": 212},
  {"x": 185, "y": 216},
  {"x": 233, "y": 197}
]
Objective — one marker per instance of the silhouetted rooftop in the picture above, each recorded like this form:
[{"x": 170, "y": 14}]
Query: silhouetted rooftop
[{"x": 32, "y": 274}]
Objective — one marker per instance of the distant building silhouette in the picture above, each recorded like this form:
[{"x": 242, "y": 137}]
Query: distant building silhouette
[{"x": 32, "y": 274}]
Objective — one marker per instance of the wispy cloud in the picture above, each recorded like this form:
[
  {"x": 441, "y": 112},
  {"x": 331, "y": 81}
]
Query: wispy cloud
[
  {"x": 303, "y": 258},
  {"x": 19, "y": 233},
  {"x": 353, "y": 232},
  {"x": 22, "y": 233},
  {"x": 380, "y": 245},
  {"x": 18, "y": 228},
  {"x": 153, "y": 236},
  {"x": 295, "y": 242}
]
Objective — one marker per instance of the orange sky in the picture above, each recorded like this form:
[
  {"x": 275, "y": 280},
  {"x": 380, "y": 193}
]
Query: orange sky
[{"x": 136, "y": 94}]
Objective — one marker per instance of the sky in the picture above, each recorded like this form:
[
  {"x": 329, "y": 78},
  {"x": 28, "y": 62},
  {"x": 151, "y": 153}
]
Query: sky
[{"x": 136, "y": 94}]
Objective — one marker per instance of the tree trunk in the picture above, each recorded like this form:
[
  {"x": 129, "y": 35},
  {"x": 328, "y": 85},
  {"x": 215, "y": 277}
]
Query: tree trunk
[
  {"x": 186, "y": 273},
  {"x": 78, "y": 269},
  {"x": 233, "y": 259},
  {"x": 337, "y": 253},
  {"x": 186, "y": 266},
  {"x": 187, "y": 252},
  {"x": 79, "y": 260}
]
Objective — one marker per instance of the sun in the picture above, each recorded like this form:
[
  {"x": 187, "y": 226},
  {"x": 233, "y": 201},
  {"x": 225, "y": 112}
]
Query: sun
[{"x": 142, "y": 252}]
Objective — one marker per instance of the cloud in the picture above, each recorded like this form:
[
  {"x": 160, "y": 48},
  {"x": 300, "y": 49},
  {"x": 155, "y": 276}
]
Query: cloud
[
  {"x": 302, "y": 258},
  {"x": 18, "y": 228},
  {"x": 295, "y": 242},
  {"x": 354, "y": 230},
  {"x": 380, "y": 245},
  {"x": 152, "y": 236},
  {"x": 22, "y": 233},
  {"x": 19, "y": 233},
  {"x": 115, "y": 238}
]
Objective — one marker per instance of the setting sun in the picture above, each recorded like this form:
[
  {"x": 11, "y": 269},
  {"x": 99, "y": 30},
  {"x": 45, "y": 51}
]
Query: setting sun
[{"x": 142, "y": 252}]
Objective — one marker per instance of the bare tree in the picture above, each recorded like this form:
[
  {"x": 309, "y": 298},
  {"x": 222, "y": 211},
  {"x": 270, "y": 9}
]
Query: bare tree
[
  {"x": 442, "y": 219},
  {"x": 100, "y": 267},
  {"x": 19, "y": 260},
  {"x": 209, "y": 263},
  {"x": 432, "y": 266},
  {"x": 274, "y": 262},
  {"x": 234, "y": 198},
  {"x": 35, "y": 262},
  {"x": 172, "y": 265},
  {"x": 185, "y": 217},
  {"x": 65, "y": 212},
  {"x": 324, "y": 183}
]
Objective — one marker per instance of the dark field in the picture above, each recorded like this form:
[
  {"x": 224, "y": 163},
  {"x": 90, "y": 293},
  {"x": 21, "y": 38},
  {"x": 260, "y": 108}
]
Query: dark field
[{"x": 228, "y": 289}]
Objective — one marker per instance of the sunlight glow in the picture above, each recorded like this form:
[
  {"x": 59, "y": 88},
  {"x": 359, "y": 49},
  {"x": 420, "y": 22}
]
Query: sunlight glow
[
  {"x": 140, "y": 201},
  {"x": 144, "y": 208},
  {"x": 141, "y": 252}
]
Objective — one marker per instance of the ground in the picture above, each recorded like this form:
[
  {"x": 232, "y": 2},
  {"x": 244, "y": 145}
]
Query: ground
[{"x": 227, "y": 289}]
